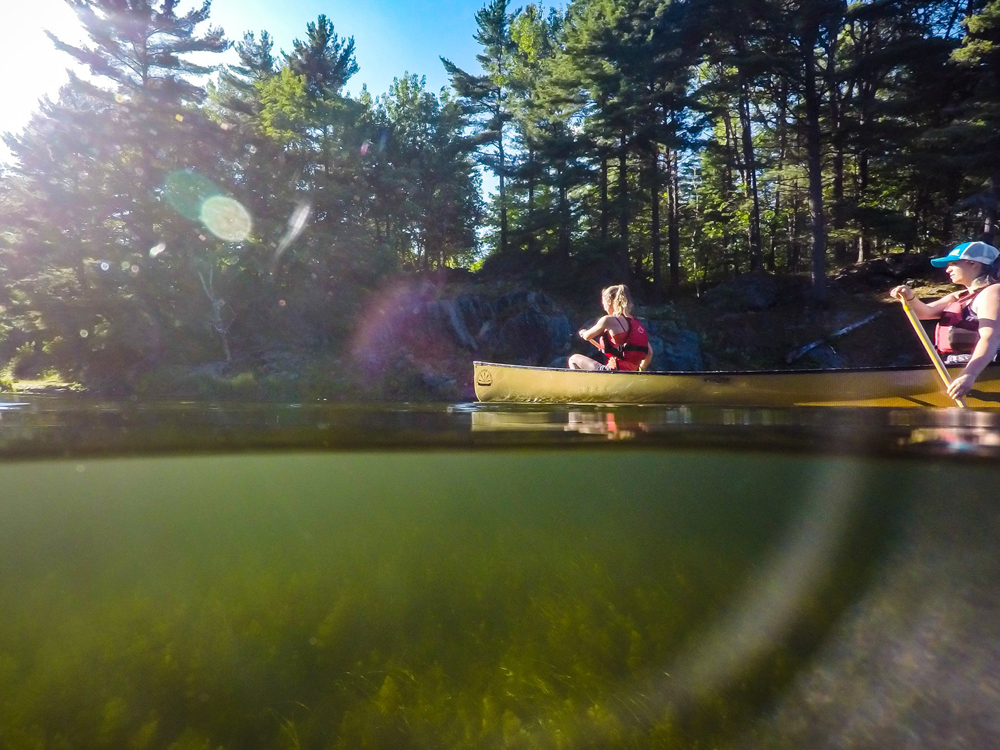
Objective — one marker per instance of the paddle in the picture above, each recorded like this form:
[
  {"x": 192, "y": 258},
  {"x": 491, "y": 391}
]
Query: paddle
[{"x": 929, "y": 347}]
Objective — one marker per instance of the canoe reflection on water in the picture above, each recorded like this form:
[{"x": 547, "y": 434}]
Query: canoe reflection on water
[
  {"x": 825, "y": 430},
  {"x": 957, "y": 439},
  {"x": 604, "y": 424}
]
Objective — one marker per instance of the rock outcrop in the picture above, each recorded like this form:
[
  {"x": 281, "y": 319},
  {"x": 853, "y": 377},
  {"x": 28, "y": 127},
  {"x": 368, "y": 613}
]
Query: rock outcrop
[{"x": 519, "y": 327}]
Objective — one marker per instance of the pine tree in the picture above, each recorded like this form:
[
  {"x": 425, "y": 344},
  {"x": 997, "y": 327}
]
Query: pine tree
[
  {"x": 326, "y": 60},
  {"x": 434, "y": 176},
  {"x": 486, "y": 97},
  {"x": 139, "y": 46},
  {"x": 238, "y": 84},
  {"x": 114, "y": 141}
]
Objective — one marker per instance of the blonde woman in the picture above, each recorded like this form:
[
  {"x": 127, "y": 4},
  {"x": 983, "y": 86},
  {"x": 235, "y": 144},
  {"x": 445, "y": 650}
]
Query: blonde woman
[
  {"x": 621, "y": 337},
  {"x": 967, "y": 331}
]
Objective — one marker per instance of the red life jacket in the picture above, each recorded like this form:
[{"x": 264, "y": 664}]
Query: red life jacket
[
  {"x": 626, "y": 350},
  {"x": 957, "y": 330}
]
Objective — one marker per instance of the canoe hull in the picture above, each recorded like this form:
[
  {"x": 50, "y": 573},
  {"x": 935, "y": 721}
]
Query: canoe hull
[{"x": 892, "y": 387}]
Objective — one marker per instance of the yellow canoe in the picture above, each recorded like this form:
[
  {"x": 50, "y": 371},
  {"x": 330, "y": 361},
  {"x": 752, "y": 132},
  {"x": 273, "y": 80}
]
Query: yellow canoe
[{"x": 890, "y": 386}]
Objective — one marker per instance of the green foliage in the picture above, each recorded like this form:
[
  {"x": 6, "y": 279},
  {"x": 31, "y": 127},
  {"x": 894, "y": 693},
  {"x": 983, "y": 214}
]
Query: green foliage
[
  {"x": 285, "y": 108},
  {"x": 322, "y": 379},
  {"x": 649, "y": 89},
  {"x": 145, "y": 228}
]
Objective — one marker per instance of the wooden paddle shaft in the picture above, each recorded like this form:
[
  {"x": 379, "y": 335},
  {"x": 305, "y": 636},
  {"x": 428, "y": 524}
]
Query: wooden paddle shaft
[{"x": 918, "y": 328}]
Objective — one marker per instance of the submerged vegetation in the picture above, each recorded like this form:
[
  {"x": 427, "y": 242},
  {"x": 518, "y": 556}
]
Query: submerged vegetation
[
  {"x": 483, "y": 601},
  {"x": 159, "y": 213}
]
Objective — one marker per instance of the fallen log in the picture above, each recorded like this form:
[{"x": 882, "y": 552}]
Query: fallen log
[{"x": 839, "y": 332}]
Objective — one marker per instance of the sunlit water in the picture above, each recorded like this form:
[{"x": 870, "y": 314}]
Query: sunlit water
[{"x": 311, "y": 576}]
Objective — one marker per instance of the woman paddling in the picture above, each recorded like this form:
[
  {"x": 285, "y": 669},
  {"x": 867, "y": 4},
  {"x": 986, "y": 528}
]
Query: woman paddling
[
  {"x": 967, "y": 331},
  {"x": 620, "y": 336}
]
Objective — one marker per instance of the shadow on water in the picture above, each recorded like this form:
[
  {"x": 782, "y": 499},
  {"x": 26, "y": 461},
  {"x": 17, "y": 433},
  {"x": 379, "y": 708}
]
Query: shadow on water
[{"x": 197, "y": 575}]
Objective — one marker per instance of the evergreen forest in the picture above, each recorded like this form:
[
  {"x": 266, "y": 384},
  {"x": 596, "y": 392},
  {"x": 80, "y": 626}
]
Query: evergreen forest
[{"x": 163, "y": 209}]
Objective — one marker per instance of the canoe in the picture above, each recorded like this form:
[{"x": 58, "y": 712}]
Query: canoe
[{"x": 885, "y": 386}]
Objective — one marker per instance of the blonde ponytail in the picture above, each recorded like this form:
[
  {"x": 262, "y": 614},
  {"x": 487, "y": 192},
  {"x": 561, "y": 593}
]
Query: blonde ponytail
[{"x": 618, "y": 301}]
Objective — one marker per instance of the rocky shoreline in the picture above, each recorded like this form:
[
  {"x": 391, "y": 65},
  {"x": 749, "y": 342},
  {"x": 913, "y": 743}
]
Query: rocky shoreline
[{"x": 418, "y": 343}]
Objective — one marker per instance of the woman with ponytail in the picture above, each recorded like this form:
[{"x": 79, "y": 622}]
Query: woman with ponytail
[{"x": 621, "y": 337}]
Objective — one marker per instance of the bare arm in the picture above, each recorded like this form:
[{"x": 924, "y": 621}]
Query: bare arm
[
  {"x": 923, "y": 310},
  {"x": 986, "y": 305},
  {"x": 589, "y": 334},
  {"x": 644, "y": 365}
]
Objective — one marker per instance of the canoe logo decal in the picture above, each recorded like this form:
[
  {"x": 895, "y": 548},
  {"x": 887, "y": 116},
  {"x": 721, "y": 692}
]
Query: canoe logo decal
[{"x": 484, "y": 378}]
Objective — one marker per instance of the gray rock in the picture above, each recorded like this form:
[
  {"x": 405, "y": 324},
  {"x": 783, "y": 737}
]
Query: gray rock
[
  {"x": 449, "y": 314},
  {"x": 520, "y": 327},
  {"x": 674, "y": 348},
  {"x": 752, "y": 291},
  {"x": 475, "y": 312},
  {"x": 521, "y": 299},
  {"x": 437, "y": 381},
  {"x": 561, "y": 361},
  {"x": 559, "y": 332},
  {"x": 524, "y": 338}
]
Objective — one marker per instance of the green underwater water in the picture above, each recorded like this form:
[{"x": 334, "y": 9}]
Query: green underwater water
[{"x": 501, "y": 598}]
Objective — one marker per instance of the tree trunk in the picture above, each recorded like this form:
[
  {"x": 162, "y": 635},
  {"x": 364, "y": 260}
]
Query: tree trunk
[
  {"x": 531, "y": 201},
  {"x": 605, "y": 208},
  {"x": 563, "y": 221},
  {"x": 623, "y": 253},
  {"x": 952, "y": 192},
  {"x": 836, "y": 128},
  {"x": 990, "y": 225},
  {"x": 815, "y": 166},
  {"x": 654, "y": 226},
  {"x": 730, "y": 258},
  {"x": 673, "y": 223},
  {"x": 501, "y": 174},
  {"x": 794, "y": 251},
  {"x": 750, "y": 181},
  {"x": 781, "y": 125},
  {"x": 864, "y": 239}
]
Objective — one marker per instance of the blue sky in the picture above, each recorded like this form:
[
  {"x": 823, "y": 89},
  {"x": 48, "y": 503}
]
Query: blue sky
[{"x": 391, "y": 37}]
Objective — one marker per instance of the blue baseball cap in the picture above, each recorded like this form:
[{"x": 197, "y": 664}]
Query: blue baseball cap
[{"x": 977, "y": 251}]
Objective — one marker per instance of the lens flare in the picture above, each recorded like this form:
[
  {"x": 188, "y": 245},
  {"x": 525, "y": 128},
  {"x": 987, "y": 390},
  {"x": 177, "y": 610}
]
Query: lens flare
[
  {"x": 226, "y": 218},
  {"x": 186, "y": 191},
  {"x": 197, "y": 198},
  {"x": 297, "y": 222}
]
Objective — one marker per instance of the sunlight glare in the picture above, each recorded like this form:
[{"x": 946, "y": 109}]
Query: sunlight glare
[{"x": 23, "y": 45}]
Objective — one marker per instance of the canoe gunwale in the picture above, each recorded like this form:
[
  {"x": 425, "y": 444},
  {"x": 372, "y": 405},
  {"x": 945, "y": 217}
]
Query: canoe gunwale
[{"x": 726, "y": 373}]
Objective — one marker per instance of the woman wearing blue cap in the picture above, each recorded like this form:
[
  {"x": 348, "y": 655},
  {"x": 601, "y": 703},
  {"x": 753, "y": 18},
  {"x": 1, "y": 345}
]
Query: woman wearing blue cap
[{"x": 967, "y": 331}]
